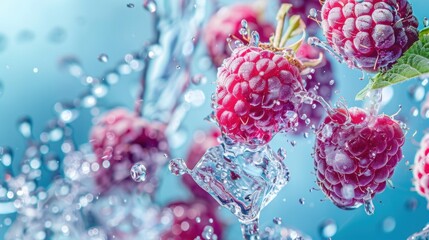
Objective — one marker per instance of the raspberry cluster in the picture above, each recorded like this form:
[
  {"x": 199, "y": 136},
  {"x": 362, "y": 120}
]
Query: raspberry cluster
[
  {"x": 369, "y": 34},
  {"x": 119, "y": 140},
  {"x": 256, "y": 95},
  {"x": 355, "y": 155},
  {"x": 227, "y": 22}
]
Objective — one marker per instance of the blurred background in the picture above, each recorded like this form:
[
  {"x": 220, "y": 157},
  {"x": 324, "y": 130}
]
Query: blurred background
[{"x": 36, "y": 37}]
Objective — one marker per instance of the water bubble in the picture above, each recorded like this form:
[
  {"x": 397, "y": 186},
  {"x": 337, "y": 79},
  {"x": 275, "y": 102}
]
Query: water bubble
[
  {"x": 302, "y": 201},
  {"x": 414, "y": 111},
  {"x": 6, "y": 156},
  {"x": 327, "y": 229},
  {"x": 35, "y": 70},
  {"x": 25, "y": 126},
  {"x": 138, "y": 172},
  {"x": 150, "y": 5},
  {"x": 198, "y": 219},
  {"x": 425, "y": 22},
  {"x": 67, "y": 112},
  {"x": 388, "y": 224},
  {"x": 208, "y": 232},
  {"x": 130, "y": 5},
  {"x": 313, "y": 13},
  {"x": 56, "y": 133},
  {"x": 57, "y": 35},
  {"x": 177, "y": 166},
  {"x": 103, "y": 58},
  {"x": 72, "y": 65},
  {"x": 52, "y": 162},
  {"x": 111, "y": 77}
]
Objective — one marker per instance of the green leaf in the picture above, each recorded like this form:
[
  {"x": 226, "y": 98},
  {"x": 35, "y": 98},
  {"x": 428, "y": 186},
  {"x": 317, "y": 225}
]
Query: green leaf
[{"x": 412, "y": 64}]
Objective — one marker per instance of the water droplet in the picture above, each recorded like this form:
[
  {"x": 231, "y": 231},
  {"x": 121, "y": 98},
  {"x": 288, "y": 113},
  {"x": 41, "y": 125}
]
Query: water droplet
[
  {"x": 55, "y": 134},
  {"x": 302, "y": 201},
  {"x": 6, "y": 156},
  {"x": 112, "y": 77},
  {"x": 414, "y": 111},
  {"x": 388, "y": 224},
  {"x": 57, "y": 35},
  {"x": 208, "y": 232},
  {"x": 348, "y": 191},
  {"x": 327, "y": 228},
  {"x": 369, "y": 206},
  {"x": 177, "y": 166},
  {"x": 425, "y": 22},
  {"x": 67, "y": 112},
  {"x": 198, "y": 219},
  {"x": 254, "y": 40},
  {"x": 138, "y": 172},
  {"x": 130, "y": 5},
  {"x": 178, "y": 67},
  {"x": 52, "y": 162},
  {"x": 87, "y": 100},
  {"x": 150, "y": 5},
  {"x": 99, "y": 90},
  {"x": 35, "y": 70},
  {"x": 195, "y": 97},
  {"x": 25, "y": 127},
  {"x": 332, "y": 82},
  {"x": 277, "y": 220},
  {"x": 199, "y": 79},
  {"x": 313, "y": 13},
  {"x": 417, "y": 92},
  {"x": 103, "y": 58},
  {"x": 72, "y": 65}
]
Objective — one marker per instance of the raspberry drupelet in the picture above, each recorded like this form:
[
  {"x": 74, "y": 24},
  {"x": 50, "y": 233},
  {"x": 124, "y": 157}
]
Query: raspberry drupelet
[
  {"x": 355, "y": 155},
  {"x": 119, "y": 140},
  {"x": 259, "y": 88},
  {"x": 369, "y": 34}
]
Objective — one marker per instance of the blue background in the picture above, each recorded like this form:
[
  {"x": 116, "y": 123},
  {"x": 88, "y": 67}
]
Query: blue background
[{"x": 37, "y": 34}]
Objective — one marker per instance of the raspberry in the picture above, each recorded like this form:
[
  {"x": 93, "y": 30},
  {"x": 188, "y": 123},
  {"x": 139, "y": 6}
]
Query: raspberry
[
  {"x": 369, "y": 34},
  {"x": 355, "y": 155},
  {"x": 193, "y": 219},
  {"x": 226, "y": 22},
  {"x": 421, "y": 168},
  {"x": 202, "y": 142},
  {"x": 303, "y": 8},
  {"x": 121, "y": 139},
  {"x": 256, "y": 95},
  {"x": 320, "y": 83}
]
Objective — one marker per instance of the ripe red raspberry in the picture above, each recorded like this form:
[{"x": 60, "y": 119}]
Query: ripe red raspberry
[
  {"x": 370, "y": 34},
  {"x": 226, "y": 22},
  {"x": 202, "y": 142},
  {"x": 193, "y": 219},
  {"x": 121, "y": 139},
  {"x": 256, "y": 95},
  {"x": 303, "y": 8},
  {"x": 355, "y": 155},
  {"x": 321, "y": 82},
  {"x": 421, "y": 168}
]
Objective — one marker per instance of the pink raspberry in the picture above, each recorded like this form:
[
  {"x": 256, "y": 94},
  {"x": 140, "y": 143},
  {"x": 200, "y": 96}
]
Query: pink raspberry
[
  {"x": 421, "y": 168},
  {"x": 303, "y": 8},
  {"x": 226, "y": 22},
  {"x": 256, "y": 95},
  {"x": 321, "y": 82},
  {"x": 355, "y": 155},
  {"x": 193, "y": 219},
  {"x": 202, "y": 142},
  {"x": 369, "y": 34},
  {"x": 119, "y": 140}
]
